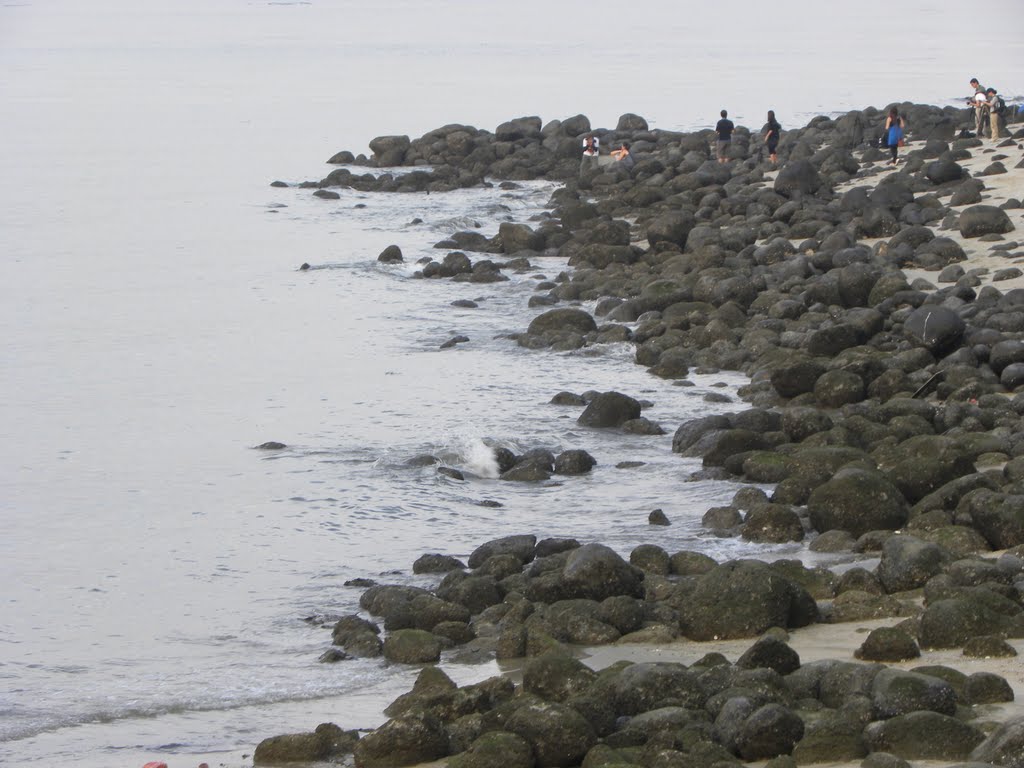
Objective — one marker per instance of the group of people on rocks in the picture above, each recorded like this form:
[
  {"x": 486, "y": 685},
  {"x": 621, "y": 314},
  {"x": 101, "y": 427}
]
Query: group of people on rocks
[
  {"x": 771, "y": 133},
  {"x": 989, "y": 111},
  {"x": 989, "y": 108}
]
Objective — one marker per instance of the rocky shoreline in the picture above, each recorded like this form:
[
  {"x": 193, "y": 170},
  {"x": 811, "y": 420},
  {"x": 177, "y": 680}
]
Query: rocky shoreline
[{"x": 879, "y": 314}]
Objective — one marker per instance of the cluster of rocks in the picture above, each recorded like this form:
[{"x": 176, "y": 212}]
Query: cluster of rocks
[
  {"x": 886, "y": 414},
  {"x": 534, "y": 465},
  {"x": 519, "y": 597}
]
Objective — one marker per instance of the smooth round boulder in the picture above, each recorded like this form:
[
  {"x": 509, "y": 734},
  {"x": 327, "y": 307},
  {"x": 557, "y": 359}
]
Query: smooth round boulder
[
  {"x": 562, "y": 320},
  {"x": 412, "y": 646},
  {"x": 559, "y": 735},
  {"x": 838, "y": 387},
  {"x": 495, "y": 748},
  {"x": 391, "y": 255},
  {"x": 923, "y": 736},
  {"x": 981, "y": 220},
  {"x": 407, "y": 740},
  {"x": 899, "y": 692},
  {"x": 888, "y": 644},
  {"x": 908, "y": 562},
  {"x": 770, "y": 731},
  {"x": 609, "y": 409},
  {"x": 857, "y": 501},
  {"x": 938, "y": 329},
  {"x": 797, "y": 178}
]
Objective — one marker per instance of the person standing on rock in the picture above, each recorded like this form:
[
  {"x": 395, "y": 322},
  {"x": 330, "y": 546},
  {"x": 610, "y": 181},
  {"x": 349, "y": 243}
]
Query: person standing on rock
[
  {"x": 772, "y": 131},
  {"x": 591, "y": 145},
  {"x": 996, "y": 108},
  {"x": 724, "y": 129},
  {"x": 894, "y": 134},
  {"x": 980, "y": 103}
]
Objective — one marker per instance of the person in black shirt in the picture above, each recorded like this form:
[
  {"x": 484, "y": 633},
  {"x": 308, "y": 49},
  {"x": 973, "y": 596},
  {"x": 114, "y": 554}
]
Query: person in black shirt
[
  {"x": 724, "y": 129},
  {"x": 771, "y": 131}
]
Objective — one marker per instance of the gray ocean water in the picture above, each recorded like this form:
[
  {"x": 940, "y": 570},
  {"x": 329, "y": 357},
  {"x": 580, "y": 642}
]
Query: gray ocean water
[{"x": 155, "y": 327}]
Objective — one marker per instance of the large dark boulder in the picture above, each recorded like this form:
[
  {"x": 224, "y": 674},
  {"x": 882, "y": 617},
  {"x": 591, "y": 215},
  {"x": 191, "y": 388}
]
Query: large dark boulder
[
  {"x": 923, "y": 464},
  {"x": 742, "y": 598},
  {"x": 770, "y": 731},
  {"x": 937, "y": 329},
  {"x": 406, "y": 740},
  {"x": 325, "y": 744},
  {"x": 609, "y": 409},
  {"x": 520, "y": 545},
  {"x": 563, "y": 320},
  {"x": 595, "y": 572},
  {"x": 952, "y": 622},
  {"x": 672, "y": 227},
  {"x": 923, "y": 736},
  {"x": 1001, "y": 522},
  {"x": 857, "y": 501},
  {"x": 646, "y": 686},
  {"x": 412, "y": 646},
  {"x": 797, "y": 178},
  {"x": 897, "y": 692},
  {"x": 981, "y": 220},
  {"x": 519, "y": 237},
  {"x": 943, "y": 170},
  {"x": 389, "y": 150},
  {"x": 1004, "y": 746},
  {"x": 559, "y": 735},
  {"x": 495, "y": 748},
  {"x": 556, "y": 676},
  {"x": 797, "y": 377},
  {"x": 908, "y": 562}
]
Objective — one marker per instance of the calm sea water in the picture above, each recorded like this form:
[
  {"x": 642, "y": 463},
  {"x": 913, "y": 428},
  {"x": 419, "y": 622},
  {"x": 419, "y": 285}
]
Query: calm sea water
[{"x": 155, "y": 327}]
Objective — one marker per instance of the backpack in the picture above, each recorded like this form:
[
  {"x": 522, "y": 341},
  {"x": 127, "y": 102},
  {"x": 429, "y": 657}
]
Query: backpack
[{"x": 1000, "y": 105}]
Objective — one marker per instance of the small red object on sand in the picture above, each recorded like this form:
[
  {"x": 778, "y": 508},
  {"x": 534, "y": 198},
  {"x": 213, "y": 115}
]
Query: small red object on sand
[{"x": 156, "y": 764}]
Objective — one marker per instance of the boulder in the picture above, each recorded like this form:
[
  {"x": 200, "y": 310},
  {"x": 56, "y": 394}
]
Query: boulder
[
  {"x": 742, "y": 598},
  {"x": 770, "y": 731},
  {"x": 646, "y": 686},
  {"x": 325, "y": 744},
  {"x": 391, "y": 255},
  {"x": 495, "y": 748},
  {"x": 938, "y": 329},
  {"x": 908, "y": 562},
  {"x": 412, "y": 646},
  {"x": 595, "y": 572},
  {"x": 390, "y": 150},
  {"x": 559, "y": 735},
  {"x": 406, "y": 740},
  {"x": 923, "y": 736},
  {"x": 857, "y": 501},
  {"x": 897, "y": 692},
  {"x": 556, "y": 676},
  {"x": 1004, "y": 746},
  {"x": 797, "y": 178},
  {"x": 609, "y": 409},
  {"x": 563, "y": 320},
  {"x": 671, "y": 227},
  {"x": 520, "y": 545},
  {"x": 981, "y": 220},
  {"x": 1001, "y": 523},
  {"x": 574, "y": 462},
  {"x": 951, "y": 622},
  {"x": 888, "y": 644},
  {"x": 770, "y": 653}
]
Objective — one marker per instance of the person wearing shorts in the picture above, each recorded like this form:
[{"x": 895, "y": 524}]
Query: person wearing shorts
[{"x": 724, "y": 129}]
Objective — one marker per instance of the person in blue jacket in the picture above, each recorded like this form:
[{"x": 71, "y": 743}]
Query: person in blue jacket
[{"x": 894, "y": 134}]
